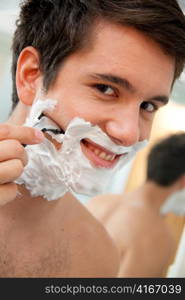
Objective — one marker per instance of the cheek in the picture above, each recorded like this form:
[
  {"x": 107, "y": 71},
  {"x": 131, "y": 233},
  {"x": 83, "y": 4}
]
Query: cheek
[
  {"x": 68, "y": 109},
  {"x": 146, "y": 127}
]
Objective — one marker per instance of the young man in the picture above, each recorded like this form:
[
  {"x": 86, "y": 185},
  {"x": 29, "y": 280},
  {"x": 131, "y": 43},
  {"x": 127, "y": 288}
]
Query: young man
[
  {"x": 110, "y": 63},
  {"x": 136, "y": 220}
]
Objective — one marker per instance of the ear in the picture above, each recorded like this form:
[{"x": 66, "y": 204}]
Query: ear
[{"x": 28, "y": 75}]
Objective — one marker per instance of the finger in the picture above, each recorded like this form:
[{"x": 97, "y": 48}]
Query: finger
[
  {"x": 8, "y": 192},
  {"x": 10, "y": 170},
  {"x": 12, "y": 149},
  {"x": 25, "y": 135}
]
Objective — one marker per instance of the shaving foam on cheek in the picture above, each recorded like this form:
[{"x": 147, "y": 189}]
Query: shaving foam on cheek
[{"x": 51, "y": 173}]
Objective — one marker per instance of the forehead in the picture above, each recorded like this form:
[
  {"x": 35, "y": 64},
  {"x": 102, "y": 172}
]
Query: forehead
[{"x": 125, "y": 51}]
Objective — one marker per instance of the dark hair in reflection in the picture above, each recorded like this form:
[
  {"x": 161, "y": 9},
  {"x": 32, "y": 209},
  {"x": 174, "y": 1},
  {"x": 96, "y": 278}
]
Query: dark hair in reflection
[{"x": 166, "y": 160}]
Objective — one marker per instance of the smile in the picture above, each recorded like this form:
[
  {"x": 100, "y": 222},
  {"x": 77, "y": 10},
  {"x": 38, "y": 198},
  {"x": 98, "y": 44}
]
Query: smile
[
  {"x": 96, "y": 154},
  {"x": 99, "y": 156}
]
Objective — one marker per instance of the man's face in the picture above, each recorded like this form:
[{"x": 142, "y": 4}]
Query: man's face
[{"x": 117, "y": 83}]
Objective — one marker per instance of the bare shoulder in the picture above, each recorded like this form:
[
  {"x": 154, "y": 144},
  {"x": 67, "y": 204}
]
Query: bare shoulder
[
  {"x": 145, "y": 242},
  {"x": 68, "y": 242},
  {"x": 102, "y": 206},
  {"x": 94, "y": 254},
  {"x": 148, "y": 232},
  {"x": 101, "y": 251}
]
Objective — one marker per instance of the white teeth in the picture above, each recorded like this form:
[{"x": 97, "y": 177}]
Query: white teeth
[
  {"x": 109, "y": 157},
  {"x": 97, "y": 151},
  {"x": 102, "y": 154}
]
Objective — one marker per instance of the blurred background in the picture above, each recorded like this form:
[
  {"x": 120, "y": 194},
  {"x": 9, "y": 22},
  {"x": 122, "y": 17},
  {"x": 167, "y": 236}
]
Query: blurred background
[{"x": 169, "y": 119}]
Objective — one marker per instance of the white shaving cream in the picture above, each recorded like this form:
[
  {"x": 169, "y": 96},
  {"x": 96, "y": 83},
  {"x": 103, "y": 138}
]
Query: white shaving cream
[{"x": 51, "y": 173}]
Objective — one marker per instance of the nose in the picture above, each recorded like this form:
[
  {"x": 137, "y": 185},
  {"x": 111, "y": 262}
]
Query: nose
[{"x": 124, "y": 127}]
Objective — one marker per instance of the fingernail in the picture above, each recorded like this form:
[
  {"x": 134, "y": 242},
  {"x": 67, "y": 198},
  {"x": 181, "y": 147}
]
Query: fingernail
[{"x": 39, "y": 135}]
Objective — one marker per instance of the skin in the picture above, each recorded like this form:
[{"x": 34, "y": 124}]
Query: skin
[
  {"x": 141, "y": 234},
  {"x": 126, "y": 117},
  {"x": 122, "y": 115}
]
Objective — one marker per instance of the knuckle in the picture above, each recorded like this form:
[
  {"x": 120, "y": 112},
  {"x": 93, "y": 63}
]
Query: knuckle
[
  {"x": 18, "y": 168},
  {"x": 17, "y": 147},
  {"x": 29, "y": 131},
  {"x": 10, "y": 171}
]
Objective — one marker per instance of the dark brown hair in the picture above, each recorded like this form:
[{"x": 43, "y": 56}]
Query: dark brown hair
[
  {"x": 166, "y": 160},
  {"x": 58, "y": 28}
]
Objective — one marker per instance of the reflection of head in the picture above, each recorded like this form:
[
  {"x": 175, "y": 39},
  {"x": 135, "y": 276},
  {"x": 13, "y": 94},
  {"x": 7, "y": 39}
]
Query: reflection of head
[
  {"x": 59, "y": 28},
  {"x": 166, "y": 160}
]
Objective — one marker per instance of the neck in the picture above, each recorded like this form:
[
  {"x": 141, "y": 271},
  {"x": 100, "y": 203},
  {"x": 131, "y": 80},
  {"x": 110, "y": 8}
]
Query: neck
[
  {"x": 154, "y": 195},
  {"x": 30, "y": 211}
]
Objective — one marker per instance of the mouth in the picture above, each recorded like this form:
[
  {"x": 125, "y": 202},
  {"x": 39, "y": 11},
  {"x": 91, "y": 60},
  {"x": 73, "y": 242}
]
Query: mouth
[
  {"x": 99, "y": 156},
  {"x": 96, "y": 154}
]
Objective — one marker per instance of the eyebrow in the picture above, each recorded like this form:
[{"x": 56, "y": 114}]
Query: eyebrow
[
  {"x": 124, "y": 83},
  {"x": 163, "y": 99}
]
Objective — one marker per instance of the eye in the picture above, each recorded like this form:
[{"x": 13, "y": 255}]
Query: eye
[
  {"x": 105, "y": 89},
  {"x": 149, "y": 106}
]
